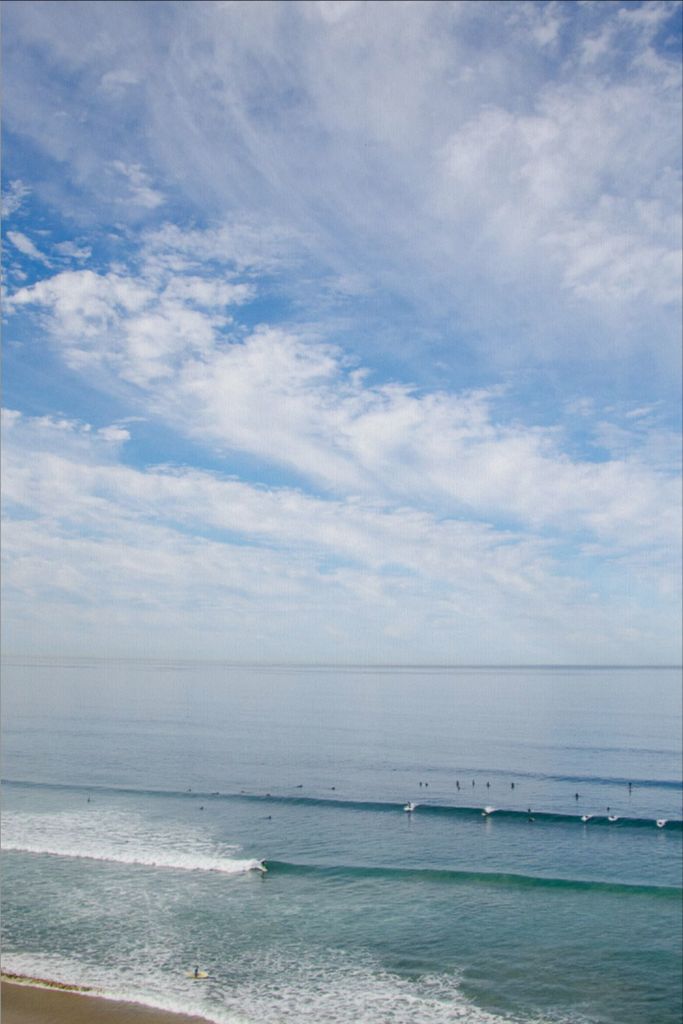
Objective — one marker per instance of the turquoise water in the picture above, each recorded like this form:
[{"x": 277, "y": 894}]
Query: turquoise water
[{"x": 141, "y": 801}]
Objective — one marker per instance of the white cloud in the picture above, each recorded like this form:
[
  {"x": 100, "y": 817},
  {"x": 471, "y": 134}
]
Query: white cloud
[
  {"x": 13, "y": 197},
  {"x": 70, "y": 250},
  {"x": 114, "y": 434},
  {"x": 445, "y": 153},
  {"x": 27, "y": 247},
  {"x": 127, "y": 324},
  {"x": 208, "y": 294},
  {"x": 97, "y": 549},
  {"x": 498, "y": 183},
  {"x": 538, "y": 185},
  {"x": 295, "y": 402},
  {"x": 140, "y": 192},
  {"x": 254, "y": 245},
  {"x": 115, "y": 82}
]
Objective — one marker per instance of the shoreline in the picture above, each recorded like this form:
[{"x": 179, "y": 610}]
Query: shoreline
[{"x": 28, "y": 1000}]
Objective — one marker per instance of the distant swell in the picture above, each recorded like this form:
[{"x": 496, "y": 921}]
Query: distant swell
[
  {"x": 175, "y": 861},
  {"x": 447, "y": 875}
]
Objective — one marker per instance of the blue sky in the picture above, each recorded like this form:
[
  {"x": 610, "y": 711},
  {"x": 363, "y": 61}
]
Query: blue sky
[{"x": 343, "y": 331}]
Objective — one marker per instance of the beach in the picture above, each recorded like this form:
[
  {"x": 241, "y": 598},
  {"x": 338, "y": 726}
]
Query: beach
[{"x": 25, "y": 1003}]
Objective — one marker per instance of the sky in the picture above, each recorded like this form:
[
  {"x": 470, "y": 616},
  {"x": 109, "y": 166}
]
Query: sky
[{"x": 343, "y": 332}]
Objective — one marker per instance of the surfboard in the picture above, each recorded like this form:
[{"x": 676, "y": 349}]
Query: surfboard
[{"x": 198, "y": 976}]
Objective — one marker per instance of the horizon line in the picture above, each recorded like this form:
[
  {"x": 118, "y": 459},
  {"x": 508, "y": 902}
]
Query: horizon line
[{"x": 240, "y": 663}]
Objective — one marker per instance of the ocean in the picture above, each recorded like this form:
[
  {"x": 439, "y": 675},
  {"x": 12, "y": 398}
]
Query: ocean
[{"x": 142, "y": 801}]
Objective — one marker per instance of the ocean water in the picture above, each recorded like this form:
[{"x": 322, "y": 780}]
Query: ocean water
[{"x": 142, "y": 800}]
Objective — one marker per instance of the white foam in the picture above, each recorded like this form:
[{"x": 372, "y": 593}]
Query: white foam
[
  {"x": 178, "y": 861},
  {"x": 119, "y": 838},
  {"x": 286, "y": 988}
]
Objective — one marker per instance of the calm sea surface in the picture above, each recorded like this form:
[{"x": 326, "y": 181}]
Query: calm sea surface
[{"x": 141, "y": 801}]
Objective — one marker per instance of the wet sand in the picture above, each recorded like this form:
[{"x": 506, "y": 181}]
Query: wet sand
[{"x": 26, "y": 1004}]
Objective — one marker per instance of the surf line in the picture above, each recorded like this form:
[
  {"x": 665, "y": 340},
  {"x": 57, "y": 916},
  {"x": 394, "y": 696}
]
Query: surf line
[
  {"x": 548, "y": 817},
  {"x": 337, "y": 803}
]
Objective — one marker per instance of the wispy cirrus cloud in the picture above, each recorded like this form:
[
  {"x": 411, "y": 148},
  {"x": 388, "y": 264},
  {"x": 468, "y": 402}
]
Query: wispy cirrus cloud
[{"x": 515, "y": 149}]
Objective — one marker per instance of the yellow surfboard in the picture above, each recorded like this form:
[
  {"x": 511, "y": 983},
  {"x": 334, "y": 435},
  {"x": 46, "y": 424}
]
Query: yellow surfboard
[{"x": 198, "y": 976}]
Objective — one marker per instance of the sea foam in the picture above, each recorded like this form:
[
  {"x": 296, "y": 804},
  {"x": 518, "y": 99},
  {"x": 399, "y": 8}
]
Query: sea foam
[{"x": 118, "y": 838}]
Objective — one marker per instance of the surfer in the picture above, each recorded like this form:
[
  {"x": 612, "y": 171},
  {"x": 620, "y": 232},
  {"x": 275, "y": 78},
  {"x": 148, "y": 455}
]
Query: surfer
[
  {"x": 512, "y": 785},
  {"x": 196, "y": 972},
  {"x": 488, "y": 785},
  {"x": 576, "y": 796}
]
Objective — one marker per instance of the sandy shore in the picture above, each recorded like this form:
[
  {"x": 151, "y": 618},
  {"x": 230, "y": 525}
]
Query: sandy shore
[{"x": 23, "y": 1003}]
